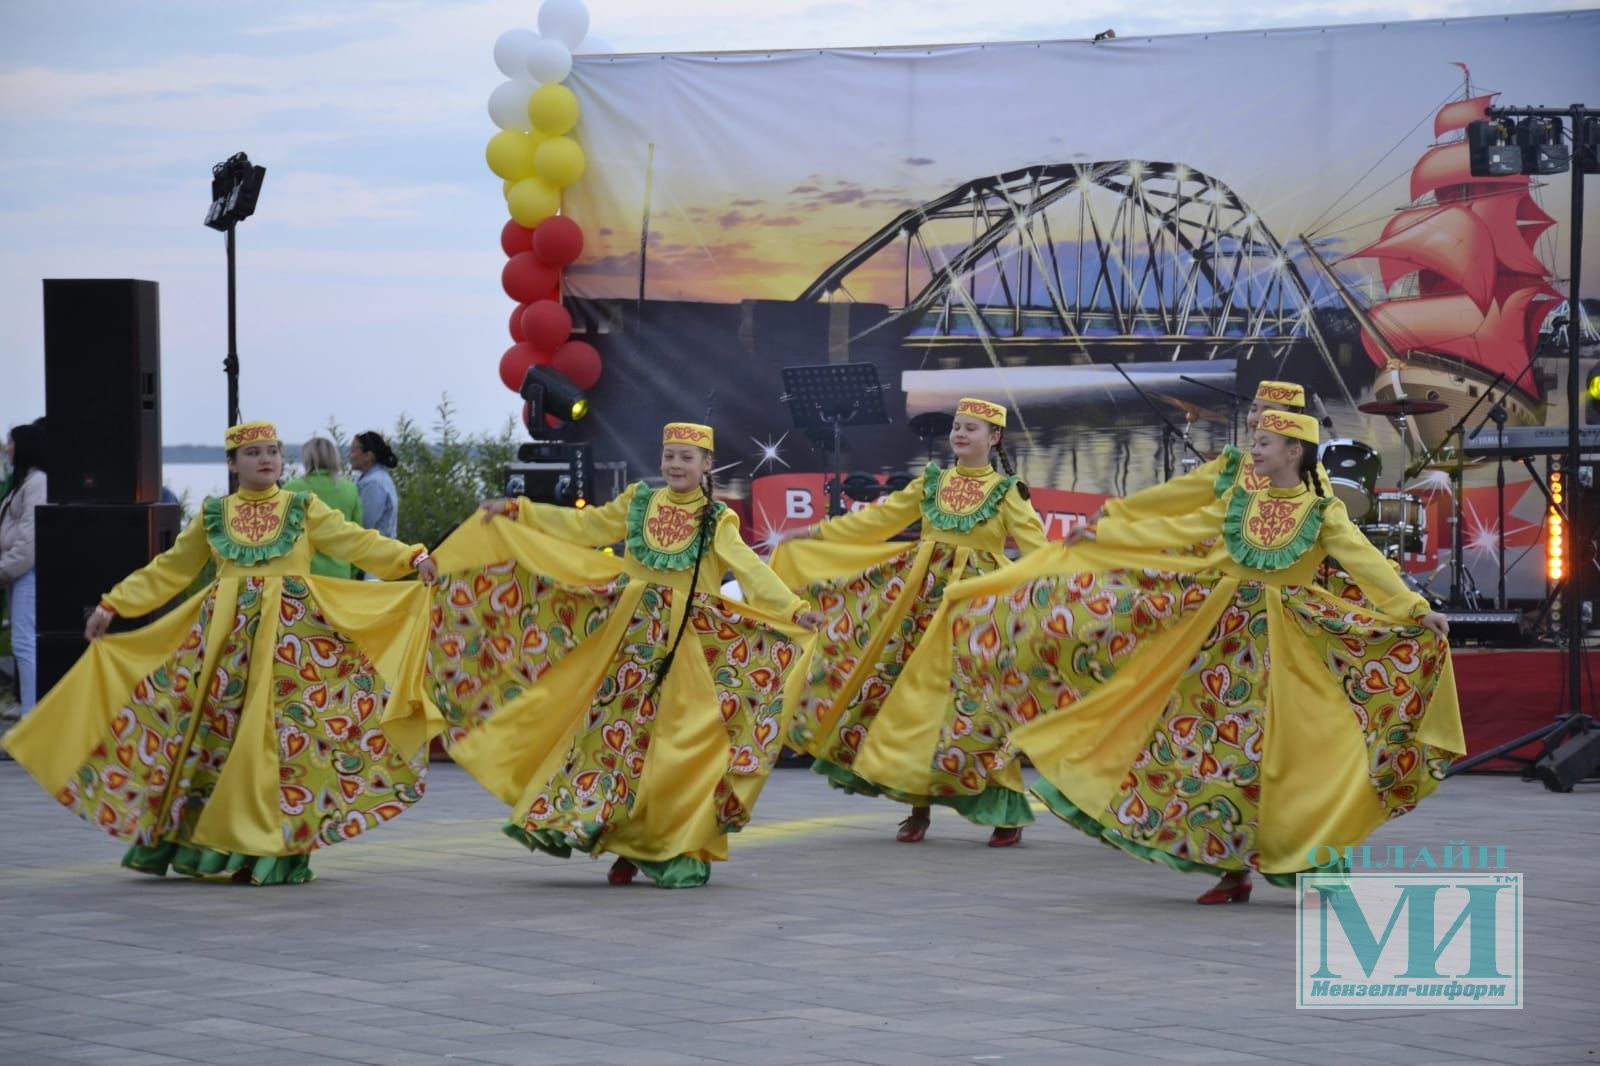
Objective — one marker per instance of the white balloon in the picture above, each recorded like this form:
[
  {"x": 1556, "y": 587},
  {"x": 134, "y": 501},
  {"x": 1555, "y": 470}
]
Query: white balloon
[
  {"x": 549, "y": 62},
  {"x": 511, "y": 52},
  {"x": 563, "y": 20},
  {"x": 508, "y": 105},
  {"x": 594, "y": 46}
]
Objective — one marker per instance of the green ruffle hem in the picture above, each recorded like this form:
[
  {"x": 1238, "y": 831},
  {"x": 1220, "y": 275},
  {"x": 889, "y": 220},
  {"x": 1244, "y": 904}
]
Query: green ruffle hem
[
  {"x": 1073, "y": 815},
  {"x": 939, "y": 518},
  {"x": 681, "y": 871},
  {"x": 194, "y": 861},
  {"x": 294, "y": 523},
  {"x": 1269, "y": 559},
  {"x": 683, "y": 558},
  {"x": 993, "y": 807}
]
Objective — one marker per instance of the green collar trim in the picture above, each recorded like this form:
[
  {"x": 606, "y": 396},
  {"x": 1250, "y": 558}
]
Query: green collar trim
[
  {"x": 940, "y": 519},
  {"x": 294, "y": 523},
  {"x": 1269, "y": 559},
  {"x": 1232, "y": 463},
  {"x": 683, "y": 558}
]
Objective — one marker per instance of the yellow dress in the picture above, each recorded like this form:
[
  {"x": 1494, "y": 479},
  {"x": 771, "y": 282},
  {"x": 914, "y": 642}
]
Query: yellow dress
[
  {"x": 243, "y": 729},
  {"x": 1195, "y": 489},
  {"x": 542, "y": 657},
  {"x": 879, "y": 597},
  {"x": 1212, "y": 711}
]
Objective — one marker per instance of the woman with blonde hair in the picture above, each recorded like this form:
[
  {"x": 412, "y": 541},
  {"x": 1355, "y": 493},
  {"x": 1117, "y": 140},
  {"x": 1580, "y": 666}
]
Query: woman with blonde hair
[{"x": 319, "y": 458}]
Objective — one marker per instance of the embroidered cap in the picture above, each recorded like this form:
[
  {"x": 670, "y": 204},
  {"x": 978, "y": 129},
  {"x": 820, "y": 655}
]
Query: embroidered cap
[
  {"x": 687, "y": 433},
  {"x": 1286, "y": 393},
  {"x": 1290, "y": 424},
  {"x": 249, "y": 433},
  {"x": 983, "y": 410}
]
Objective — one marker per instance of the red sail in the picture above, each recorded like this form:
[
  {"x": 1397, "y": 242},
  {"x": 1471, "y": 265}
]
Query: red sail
[
  {"x": 1500, "y": 210},
  {"x": 1456, "y": 116},
  {"x": 1447, "y": 167},
  {"x": 1498, "y": 341},
  {"x": 1451, "y": 241}
]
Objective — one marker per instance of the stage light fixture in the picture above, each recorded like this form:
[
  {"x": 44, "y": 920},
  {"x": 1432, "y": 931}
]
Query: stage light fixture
[
  {"x": 1589, "y": 155},
  {"x": 1543, "y": 145},
  {"x": 1555, "y": 566},
  {"x": 550, "y": 392},
  {"x": 1491, "y": 152},
  {"x": 235, "y": 188}
]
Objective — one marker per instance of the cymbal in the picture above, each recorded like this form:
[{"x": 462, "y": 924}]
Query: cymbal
[
  {"x": 1452, "y": 465},
  {"x": 1402, "y": 407},
  {"x": 1194, "y": 411}
]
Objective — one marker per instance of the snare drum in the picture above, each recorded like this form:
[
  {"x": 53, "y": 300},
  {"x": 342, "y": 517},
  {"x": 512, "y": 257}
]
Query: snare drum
[
  {"x": 1353, "y": 470},
  {"x": 1399, "y": 520}
]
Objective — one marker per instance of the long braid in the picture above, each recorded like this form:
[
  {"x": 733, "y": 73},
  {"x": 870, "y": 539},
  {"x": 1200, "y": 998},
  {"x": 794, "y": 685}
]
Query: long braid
[
  {"x": 1011, "y": 471},
  {"x": 1308, "y": 471},
  {"x": 704, "y": 534}
]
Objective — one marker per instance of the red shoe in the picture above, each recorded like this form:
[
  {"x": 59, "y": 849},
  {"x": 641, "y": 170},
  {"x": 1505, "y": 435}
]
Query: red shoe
[
  {"x": 1005, "y": 835},
  {"x": 914, "y": 828},
  {"x": 621, "y": 872},
  {"x": 1237, "y": 892}
]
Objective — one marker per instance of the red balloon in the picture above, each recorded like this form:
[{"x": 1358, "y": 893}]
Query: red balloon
[
  {"x": 515, "y": 362},
  {"x": 579, "y": 361},
  {"x": 557, "y": 240},
  {"x": 515, "y": 238},
  {"x": 526, "y": 279},
  {"x": 545, "y": 324},
  {"x": 519, "y": 334}
]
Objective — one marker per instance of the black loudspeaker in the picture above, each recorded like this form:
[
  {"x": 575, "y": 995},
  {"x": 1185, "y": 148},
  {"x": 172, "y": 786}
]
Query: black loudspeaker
[
  {"x": 102, "y": 390},
  {"x": 84, "y": 549},
  {"x": 1576, "y": 759},
  {"x": 57, "y": 653}
]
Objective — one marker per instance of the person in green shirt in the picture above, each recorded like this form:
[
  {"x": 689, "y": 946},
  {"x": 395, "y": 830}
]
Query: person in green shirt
[{"x": 319, "y": 457}]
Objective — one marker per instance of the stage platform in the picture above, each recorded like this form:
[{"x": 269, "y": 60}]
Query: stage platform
[{"x": 1506, "y": 692}]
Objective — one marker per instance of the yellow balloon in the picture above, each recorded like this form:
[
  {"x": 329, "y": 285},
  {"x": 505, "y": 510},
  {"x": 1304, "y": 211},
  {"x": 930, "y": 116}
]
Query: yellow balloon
[
  {"x": 505, "y": 187},
  {"x": 553, "y": 109},
  {"x": 531, "y": 201},
  {"x": 510, "y": 155},
  {"x": 559, "y": 161}
]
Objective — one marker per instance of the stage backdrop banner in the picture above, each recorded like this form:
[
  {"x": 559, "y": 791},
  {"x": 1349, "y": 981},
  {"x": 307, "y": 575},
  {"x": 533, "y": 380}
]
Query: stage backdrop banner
[{"x": 1100, "y": 236}]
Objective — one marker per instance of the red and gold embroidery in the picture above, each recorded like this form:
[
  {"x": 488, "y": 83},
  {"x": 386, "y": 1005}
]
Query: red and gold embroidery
[
  {"x": 1272, "y": 519},
  {"x": 254, "y": 521},
  {"x": 670, "y": 526},
  {"x": 959, "y": 493},
  {"x": 1271, "y": 392}
]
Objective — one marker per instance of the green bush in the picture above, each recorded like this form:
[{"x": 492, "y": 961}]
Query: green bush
[{"x": 442, "y": 480}]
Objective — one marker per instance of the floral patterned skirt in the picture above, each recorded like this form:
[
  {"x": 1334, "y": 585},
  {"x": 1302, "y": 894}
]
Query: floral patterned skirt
[
  {"x": 243, "y": 727},
  {"x": 1210, "y": 723}
]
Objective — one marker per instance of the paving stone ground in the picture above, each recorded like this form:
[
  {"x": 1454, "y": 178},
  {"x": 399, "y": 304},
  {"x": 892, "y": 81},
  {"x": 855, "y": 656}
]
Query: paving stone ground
[{"x": 436, "y": 940}]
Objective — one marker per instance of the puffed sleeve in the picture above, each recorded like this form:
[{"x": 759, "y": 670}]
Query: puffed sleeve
[
  {"x": 1340, "y": 538},
  {"x": 592, "y": 526},
  {"x": 336, "y": 536},
  {"x": 878, "y": 521},
  {"x": 1179, "y": 531},
  {"x": 165, "y": 576},
  {"x": 1022, "y": 522},
  {"x": 1176, "y": 496},
  {"x": 760, "y": 585}
]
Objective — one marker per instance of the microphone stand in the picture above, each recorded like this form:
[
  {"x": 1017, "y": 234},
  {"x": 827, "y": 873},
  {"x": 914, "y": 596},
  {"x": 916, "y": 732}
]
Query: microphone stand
[{"x": 1148, "y": 402}]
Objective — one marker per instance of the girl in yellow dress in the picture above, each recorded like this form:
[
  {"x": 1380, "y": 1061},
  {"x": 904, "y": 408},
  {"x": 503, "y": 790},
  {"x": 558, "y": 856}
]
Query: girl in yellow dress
[
  {"x": 245, "y": 728},
  {"x": 618, "y": 705},
  {"x": 878, "y": 597},
  {"x": 1216, "y": 711}
]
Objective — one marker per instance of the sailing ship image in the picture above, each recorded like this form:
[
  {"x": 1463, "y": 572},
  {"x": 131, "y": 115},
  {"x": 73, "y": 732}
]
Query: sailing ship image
[{"x": 1464, "y": 292}]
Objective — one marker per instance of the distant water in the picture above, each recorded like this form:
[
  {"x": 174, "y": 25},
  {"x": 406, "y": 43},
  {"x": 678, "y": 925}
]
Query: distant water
[{"x": 199, "y": 480}]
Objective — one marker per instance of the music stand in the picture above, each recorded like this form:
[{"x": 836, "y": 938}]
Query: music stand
[{"x": 834, "y": 395}]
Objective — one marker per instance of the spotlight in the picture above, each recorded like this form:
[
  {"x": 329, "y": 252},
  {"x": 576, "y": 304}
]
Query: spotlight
[
  {"x": 550, "y": 392},
  {"x": 235, "y": 188},
  {"x": 1543, "y": 149},
  {"x": 1589, "y": 155},
  {"x": 1490, "y": 151}
]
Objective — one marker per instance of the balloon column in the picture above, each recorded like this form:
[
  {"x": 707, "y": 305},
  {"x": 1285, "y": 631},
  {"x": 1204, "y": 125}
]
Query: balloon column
[{"x": 536, "y": 156}]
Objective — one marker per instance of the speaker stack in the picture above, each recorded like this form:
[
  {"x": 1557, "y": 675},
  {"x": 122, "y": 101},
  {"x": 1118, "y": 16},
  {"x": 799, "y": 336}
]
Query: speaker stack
[{"x": 102, "y": 389}]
